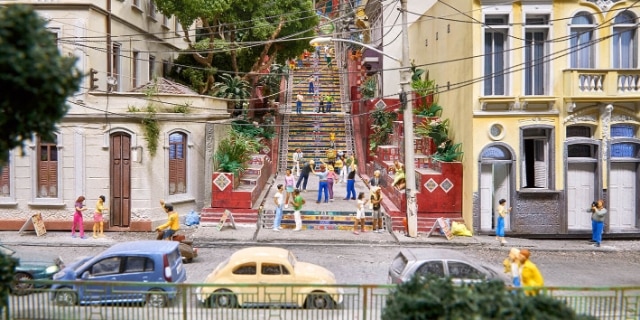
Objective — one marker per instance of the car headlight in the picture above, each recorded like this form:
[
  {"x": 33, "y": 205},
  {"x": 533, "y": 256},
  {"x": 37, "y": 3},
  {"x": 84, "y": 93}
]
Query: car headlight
[{"x": 51, "y": 269}]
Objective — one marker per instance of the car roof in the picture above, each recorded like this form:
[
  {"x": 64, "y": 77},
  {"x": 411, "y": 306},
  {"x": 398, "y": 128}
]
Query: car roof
[
  {"x": 415, "y": 254},
  {"x": 255, "y": 253},
  {"x": 143, "y": 246}
]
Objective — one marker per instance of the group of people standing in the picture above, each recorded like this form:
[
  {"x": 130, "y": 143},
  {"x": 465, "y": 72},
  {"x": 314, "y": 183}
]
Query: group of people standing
[
  {"x": 98, "y": 219},
  {"x": 522, "y": 271}
]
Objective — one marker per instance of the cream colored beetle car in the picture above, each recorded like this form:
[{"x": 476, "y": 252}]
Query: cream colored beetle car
[{"x": 268, "y": 266}]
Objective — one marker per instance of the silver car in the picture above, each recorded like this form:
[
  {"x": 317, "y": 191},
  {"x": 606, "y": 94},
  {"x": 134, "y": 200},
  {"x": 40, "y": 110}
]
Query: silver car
[{"x": 441, "y": 263}]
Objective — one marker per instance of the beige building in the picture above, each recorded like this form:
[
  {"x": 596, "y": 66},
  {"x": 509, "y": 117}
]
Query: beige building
[
  {"x": 124, "y": 47},
  {"x": 543, "y": 95}
]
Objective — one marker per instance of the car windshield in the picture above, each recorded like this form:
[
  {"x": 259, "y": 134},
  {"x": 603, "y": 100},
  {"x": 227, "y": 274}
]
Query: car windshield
[
  {"x": 292, "y": 259},
  {"x": 6, "y": 251},
  {"x": 399, "y": 263}
]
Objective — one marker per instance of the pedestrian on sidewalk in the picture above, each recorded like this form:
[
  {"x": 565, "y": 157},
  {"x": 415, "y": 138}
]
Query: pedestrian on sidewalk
[
  {"x": 332, "y": 177},
  {"x": 297, "y": 204},
  {"x": 530, "y": 275},
  {"x": 598, "y": 213},
  {"x": 360, "y": 214},
  {"x": 348, "y": 162},
  {"x": 376, "y": 199},
  {"x": 323, "y": 187},
  {"x": 77, "y": 218},
  {"x": 289, "y": 183},
  {"x": 331, "y": 155},
  {"x": 98, "y": 220},
  {"x": 298, "y": 157},
  {"x": 278, "y": 201},
  {"x": 351, "y": 183},
  {"x": 502, "y": 213},
  {"x": 299, "y": 100},
  {"x": 375, "y": 181},
  {"x": 304, "y": 175}
]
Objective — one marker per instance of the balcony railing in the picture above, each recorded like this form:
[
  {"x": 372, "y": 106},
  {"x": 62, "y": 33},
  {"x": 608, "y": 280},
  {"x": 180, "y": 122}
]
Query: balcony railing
[{"x": 601, "y": 83}]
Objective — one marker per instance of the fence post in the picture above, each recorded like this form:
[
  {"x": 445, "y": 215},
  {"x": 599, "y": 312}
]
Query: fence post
[
  {"x": 365, "y": 301},
  {"x": 183, "y": 292}
]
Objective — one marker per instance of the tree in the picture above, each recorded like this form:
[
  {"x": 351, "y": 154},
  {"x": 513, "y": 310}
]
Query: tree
[
  {"x": 35, "y": 80},
  {"x": 233, "y": 88},
  {"x": 251, "y": 32},
  {"x": 438, "y": 298}
]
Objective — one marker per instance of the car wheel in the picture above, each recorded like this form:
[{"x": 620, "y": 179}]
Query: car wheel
[
  {"x": 66, "y": 297},
  {"x": 222, "y": 298},
  {"x": 156, "y": 298},
  {"x": 19, "y": 288},
  {"x": 319, "y": 300}
]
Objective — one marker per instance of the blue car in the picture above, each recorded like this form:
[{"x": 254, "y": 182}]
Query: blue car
[
  {"x": 145, "y": 262},
  {"x": 30, "y": 268}
]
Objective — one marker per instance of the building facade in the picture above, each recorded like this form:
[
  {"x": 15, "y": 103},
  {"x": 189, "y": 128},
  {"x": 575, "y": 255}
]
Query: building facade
[
  {"x": 544, "y": 97},
  {"x": 129, "y": 134}
]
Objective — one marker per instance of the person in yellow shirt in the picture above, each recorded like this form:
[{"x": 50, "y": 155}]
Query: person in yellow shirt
[
  {"x": 530, "y": 276},
  {"x": 167, "y": 230},
  {"x": 98, "y": 220}
]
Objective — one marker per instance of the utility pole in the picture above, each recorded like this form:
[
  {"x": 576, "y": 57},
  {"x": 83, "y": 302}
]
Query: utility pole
[{"x": 407, "y": 119}]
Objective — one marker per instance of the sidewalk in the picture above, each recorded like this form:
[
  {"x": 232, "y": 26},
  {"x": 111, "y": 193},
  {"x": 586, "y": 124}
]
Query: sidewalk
[{"x": 210, "y": 236}]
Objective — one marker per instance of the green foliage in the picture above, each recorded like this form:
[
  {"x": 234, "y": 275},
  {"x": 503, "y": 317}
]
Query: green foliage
[
  {"x": 7, "y": 270},
  {"x": 151, "y": 129},
  {"x": 234, "y": 88},
  {"x": 133, "y": 109},
  {"x": 382, "y": 126},
  {"x": 226, "y": 24},
  {"x": 35, "y": 80},
  {"x": 438, "y": 130},
  {"x": 369, "y": 88},
  {"x": 426, "y": 90},
  {"x": 271, "y": 81},
  {"x": 234, "y": 152},
  {"x": 434, "y": 110},
  {"x": 183, "y": 108},
  {"x": 438, "y": 298}
]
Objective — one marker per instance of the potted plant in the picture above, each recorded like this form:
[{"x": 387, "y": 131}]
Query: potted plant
[
  {"x": 382, "y": 126},
  {"x": 438, "y": 130},
  {"x": 234, "y": 152},
  {"x": 425, "y": 89}
]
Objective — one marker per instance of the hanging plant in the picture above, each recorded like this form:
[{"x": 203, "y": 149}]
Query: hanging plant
[{"x": 151, "y": 129}]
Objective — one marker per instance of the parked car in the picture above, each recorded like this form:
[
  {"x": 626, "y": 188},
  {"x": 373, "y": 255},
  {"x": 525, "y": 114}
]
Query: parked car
[
  {"x": 268, "y": 265},
  {"x": 147, "y": 262},
  {"x": 30, "y": 268},
  {"x": 441, "y": 263}
]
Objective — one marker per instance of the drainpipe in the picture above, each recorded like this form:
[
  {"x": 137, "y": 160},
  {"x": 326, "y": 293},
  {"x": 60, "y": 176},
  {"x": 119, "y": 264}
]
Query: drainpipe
[{"x": 109, "y": 64}]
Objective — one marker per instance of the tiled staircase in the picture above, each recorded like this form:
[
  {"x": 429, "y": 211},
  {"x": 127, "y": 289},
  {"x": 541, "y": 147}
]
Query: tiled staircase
[{"x": 319, "y": 220}]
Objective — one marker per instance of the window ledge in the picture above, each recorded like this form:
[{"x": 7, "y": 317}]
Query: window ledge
[
  {"x": 136, "y": 8},
  {"x": 52, "y": 203},
  {"x": 166, "y": 27},
  {"x": 8, "y": 202},
  {"x": 180, "y": 198},
  {"x": 538, "y": 190}
]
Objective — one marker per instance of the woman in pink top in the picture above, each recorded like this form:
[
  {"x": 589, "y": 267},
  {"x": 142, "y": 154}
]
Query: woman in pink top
[{"x": 289, "y": 182}]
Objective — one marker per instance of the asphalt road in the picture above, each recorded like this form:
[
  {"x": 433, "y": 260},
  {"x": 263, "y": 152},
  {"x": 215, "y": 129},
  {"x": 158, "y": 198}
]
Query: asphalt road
[{"x": 369, "y": 264}]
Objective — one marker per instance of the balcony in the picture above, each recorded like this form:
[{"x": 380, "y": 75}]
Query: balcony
[{"x": 602, "y": 84}]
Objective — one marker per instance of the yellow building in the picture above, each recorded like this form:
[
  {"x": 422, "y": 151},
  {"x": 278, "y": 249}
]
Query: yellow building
[{"x": 543, "y": 95}]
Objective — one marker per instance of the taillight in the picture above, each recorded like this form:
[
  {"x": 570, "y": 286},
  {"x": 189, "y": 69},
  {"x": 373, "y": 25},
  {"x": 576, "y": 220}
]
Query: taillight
[{"x": 167, "y": 268}]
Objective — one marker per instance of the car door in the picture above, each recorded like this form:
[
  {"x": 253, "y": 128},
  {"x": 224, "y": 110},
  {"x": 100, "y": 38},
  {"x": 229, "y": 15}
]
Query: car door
[
  {"x": 462, "y": 272},
  {"x": 272, "y": 273},
  {"x": 246, "y": 273},
  {"x": 434, "y": 268},
  {"x": 134, "y": 269},
  {"x": 106, "y": 269}
]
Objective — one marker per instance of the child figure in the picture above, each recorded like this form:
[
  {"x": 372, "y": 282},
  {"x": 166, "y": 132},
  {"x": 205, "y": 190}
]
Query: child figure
[
  {"x": 512, "y": 266},
  {"x": 98, "y": 220},
  {"x": 502, "y": 212},
  {"x": 360, "y": 213}
]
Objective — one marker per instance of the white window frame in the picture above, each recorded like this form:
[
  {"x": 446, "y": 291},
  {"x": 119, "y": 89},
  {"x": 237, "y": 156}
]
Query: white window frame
[
  {"x": 116, "y": 64},
  {"x": 188, "y": 196},
  {"x": 592, "y": 48},
  {"x": 542, "y": 144},
  {"x": 135, "y": 70},
  {"x": 35, "y": 199},
  {"x": 152, "y": 10},
  {"x": 506, "y": 29},
  {"x": 615, "y": 28},
  {"x": 546, "y": 61}
]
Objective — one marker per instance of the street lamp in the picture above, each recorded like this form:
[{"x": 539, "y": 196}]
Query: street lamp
[{"x": 407, "y": 119}]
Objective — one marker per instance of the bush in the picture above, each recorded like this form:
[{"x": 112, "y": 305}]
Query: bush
[{"x": 438, "y": 298}]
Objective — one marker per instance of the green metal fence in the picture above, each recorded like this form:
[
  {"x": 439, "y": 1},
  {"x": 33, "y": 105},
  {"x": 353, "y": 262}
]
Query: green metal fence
[{"x": 266, "y": 301}]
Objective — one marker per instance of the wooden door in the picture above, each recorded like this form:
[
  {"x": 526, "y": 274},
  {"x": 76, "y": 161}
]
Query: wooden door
[
  {"x": 623, "y": 194},
  {"x": 120, "y": 209}
]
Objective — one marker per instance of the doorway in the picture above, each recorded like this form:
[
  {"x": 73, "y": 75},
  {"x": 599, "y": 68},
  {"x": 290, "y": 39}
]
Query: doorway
[{"x": 120, "y": 179}]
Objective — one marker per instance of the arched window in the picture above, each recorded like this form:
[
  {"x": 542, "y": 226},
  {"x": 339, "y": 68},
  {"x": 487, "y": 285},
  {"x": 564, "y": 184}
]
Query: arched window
[
  {"x": 625, "y": 47},
  {"x": 177, "y": 163},
  {"x": 580, "y": 42}
]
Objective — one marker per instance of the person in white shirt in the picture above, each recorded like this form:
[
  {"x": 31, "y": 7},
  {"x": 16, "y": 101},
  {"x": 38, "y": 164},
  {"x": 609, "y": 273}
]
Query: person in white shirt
[
  {"x": 278, "y": 200},
  {"x": 297, "y": 158}
]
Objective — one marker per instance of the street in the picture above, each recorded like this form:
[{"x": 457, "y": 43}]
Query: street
[{"x": 354, "y": 264}]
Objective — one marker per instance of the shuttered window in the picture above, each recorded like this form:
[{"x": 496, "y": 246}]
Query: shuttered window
[
  {"x": 5, "y": 181},
  {"x": 47, "y": 169},
  {"x": 177, "y": 163}
]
